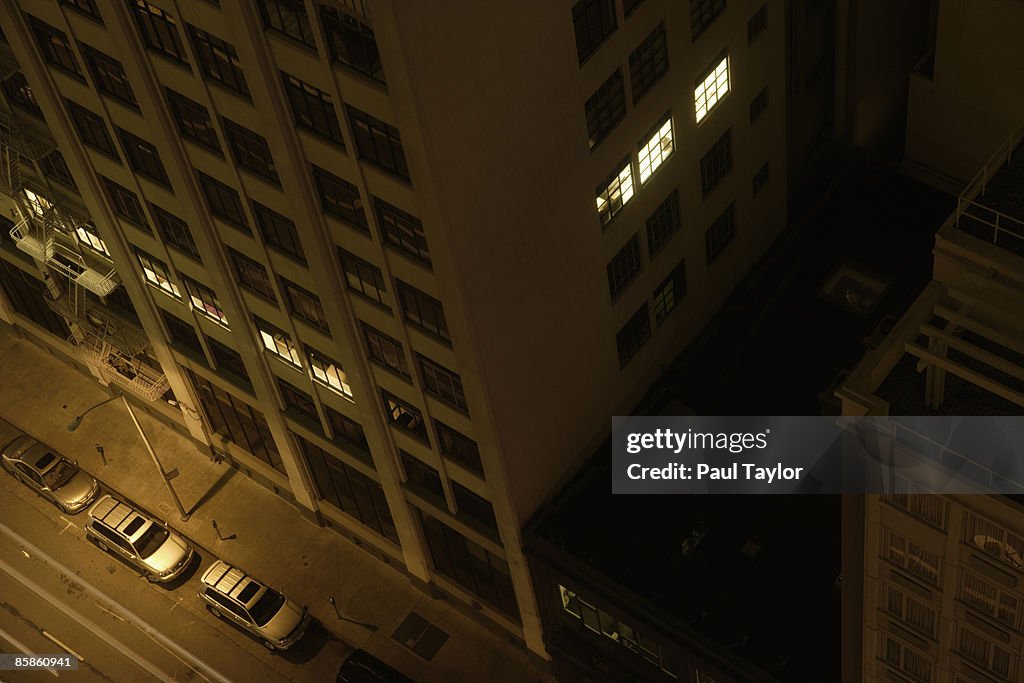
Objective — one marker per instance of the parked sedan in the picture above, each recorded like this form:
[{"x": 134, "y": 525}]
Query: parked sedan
[{"x": 49, "y": 474}]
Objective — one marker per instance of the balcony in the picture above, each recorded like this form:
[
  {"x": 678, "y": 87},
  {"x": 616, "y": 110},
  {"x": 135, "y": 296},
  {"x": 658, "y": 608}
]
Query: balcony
[
  {"x": 97, "y": 279},
  {"x": 33, "y": 239},
  {"x": 95, "y": 319},
  {"x": 991, "y": 207},
  {"x": 132, "y": 372}
]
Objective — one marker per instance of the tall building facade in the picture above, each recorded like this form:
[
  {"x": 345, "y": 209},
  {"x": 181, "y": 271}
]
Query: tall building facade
[{"x": 397, "y": 261}]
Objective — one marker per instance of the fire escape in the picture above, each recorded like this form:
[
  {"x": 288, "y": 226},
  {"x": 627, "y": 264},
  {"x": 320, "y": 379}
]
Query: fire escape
[{"x": 53, "y": 233}]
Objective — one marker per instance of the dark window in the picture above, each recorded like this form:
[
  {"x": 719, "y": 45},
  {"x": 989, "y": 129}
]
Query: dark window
[
  {"x": 92, "y": 130},
  {"x": 472, "y": 566},
  {"x": 442, "y": 383},
  {"x": 404, "y": 416},
  {"x": 402, "y": 230},
  {"x": 143, "y": 158},
  {"x": 760, "y": 178},
  {"x": 175, "y": 232},
  {"x": 348, "y": 490},
  {"x": 278, "y": 231},
  {"x": 183, "y": 334},
  {"x": 219, "y": 61},
  {"x": 474, "y": 507},
  {"x": 55, "y": 168},
  {"x": 363, "y": 277},
  {"x": 86, "y": 7},
  {"x": 614, "y": 192},
  {"x": 702, "y": 13},
  {"x": 223, "y": 201},
  {"x": 458, "y": 447},
  {"x": 126, "y": 204},
  {"x": 28, "y": 297},
  {"x": 312, "y": 109},
  {"x": 648, "y": 62},
  {"x": 340, "y": 198},
  {"x": 157, "y": 274},
  {"x": 329, "y": 372},
  {"x": 193, "y": 120},
  {"x": 204, "y": 301},
  {"x": 109, "y": 75},
  {"x": 252, "y": 275},
  {"x": 593, "y": 21},
  {"x": 378, "y": 143},
  {"x": 669, "y": 292},
  {"x": 624, "y": 267},
  {"x": 633, "y": 334},
  {"x": 716, "y": 164},
  {"x": 228, "y": 361},
  {"x": 251, "y": 151},
  {"x": 19, "y": 94},
  {"x": 352, "y": 43},
  {"x": 305, "y": 305},
  {"x": 56, "y": 48},
  {"x": 759, "y": 104},
  {"x": 720, "y": 234},
  {"x": 349, "y": 433},
  {"x": 159, "y": 31},
  {"x": 237, "y": 421},
  {"x": 605, "y": 108},
  {"x": 288, "y": 17},
  {"x": 629, "y": 5},
  {"x": 385, "y": 350},
  {"x": 299, "y": 403},
  {"x": 663, "y": 223},
  {"x": 423, "y": 479},
  {"x": 757, "y": 23},
  {"x": 423, "y": 311}
]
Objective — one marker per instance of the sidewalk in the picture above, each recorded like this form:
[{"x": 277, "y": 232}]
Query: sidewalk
[{"x": 41, "y": 394}]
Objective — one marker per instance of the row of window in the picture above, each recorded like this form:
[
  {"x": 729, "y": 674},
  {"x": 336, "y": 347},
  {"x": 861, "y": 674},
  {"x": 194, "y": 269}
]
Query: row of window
[
  {"x": 994, "y": 658},
  {"x": 594, "y": 20},
  {"x": 377, "y": 142}
]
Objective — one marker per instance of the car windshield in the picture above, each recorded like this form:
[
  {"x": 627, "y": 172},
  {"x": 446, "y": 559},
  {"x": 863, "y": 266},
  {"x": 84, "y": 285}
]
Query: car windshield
[
  {"x": 266, "y": 607},
  {"x": 151, "y": 540},
  {"x": 60, "y": 474}
]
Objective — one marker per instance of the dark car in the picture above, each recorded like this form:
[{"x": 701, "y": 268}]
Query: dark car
[{"x": 362, "y": 667}]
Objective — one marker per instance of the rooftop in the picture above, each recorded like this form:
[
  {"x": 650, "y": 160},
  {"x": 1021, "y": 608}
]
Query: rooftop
[
  {"x": 758, "y": 576},
  {"x": 993, "y": 207}
]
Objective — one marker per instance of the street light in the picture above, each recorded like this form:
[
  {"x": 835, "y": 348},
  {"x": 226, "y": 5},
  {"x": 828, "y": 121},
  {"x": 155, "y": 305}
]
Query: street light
[{"x": 73, "y": 425}]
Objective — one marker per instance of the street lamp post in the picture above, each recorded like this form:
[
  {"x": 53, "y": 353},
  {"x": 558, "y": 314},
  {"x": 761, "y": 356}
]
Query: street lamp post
[{"x": 73, "y": 425}]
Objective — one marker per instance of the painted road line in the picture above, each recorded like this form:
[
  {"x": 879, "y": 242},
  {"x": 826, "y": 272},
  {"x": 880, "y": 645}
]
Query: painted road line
[
  {"x": 16, "y": 643},
  {"x": 63, "y": 647}
]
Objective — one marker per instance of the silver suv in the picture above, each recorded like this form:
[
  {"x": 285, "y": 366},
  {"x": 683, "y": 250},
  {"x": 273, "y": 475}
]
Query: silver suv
[
  {"x": 233, "y": 595},
  {"x": 49, "y": 474},
  {"x": 147, "y": 544}
]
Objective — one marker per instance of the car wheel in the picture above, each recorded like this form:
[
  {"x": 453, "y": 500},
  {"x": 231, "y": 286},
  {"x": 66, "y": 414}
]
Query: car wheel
[
  {"x": 150, "y": 578},
  {"x": 102, "y": 546},
  {"x": 269, "y": 645},
  {"x": 214, "y": 611}
]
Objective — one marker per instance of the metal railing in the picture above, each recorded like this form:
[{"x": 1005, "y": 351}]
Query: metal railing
[
  {"x": 1001, "y": 224},
  {"x": 137, "y": 377},
  {"x": 32, "y": 240}
]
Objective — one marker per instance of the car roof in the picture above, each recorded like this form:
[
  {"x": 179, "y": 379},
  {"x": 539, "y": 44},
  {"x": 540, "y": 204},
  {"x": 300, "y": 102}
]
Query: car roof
[
  {"x": 41, "y": 457},
  {"x": 233, "y": 582},
  {"x": 8, "y": 432},
  {"x": 119, "y": 516}
]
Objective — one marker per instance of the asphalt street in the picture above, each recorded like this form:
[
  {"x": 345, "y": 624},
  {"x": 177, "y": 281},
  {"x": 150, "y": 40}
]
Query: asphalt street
[{"x": 57, "y": 587}]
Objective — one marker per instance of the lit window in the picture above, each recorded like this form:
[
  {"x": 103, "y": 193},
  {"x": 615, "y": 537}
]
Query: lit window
[
  {"x": 278, "y": 342},
  {"x": 613, "y": 194},
  {"x": 655, "y": 149},
  {"x": 39, "y": 203},
  {"x": 204, "y": 301},
  {"x": 88, "y": 236},
  {"x": 156, "y": 274},
  {"x": 712, "y": 88},
  {"x": 329, "y": 372}
]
